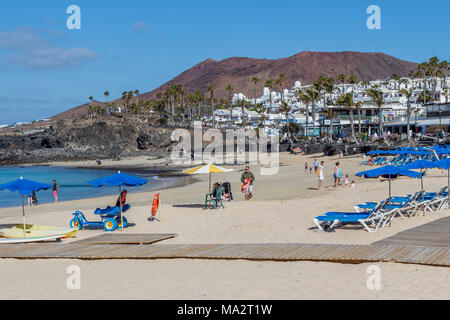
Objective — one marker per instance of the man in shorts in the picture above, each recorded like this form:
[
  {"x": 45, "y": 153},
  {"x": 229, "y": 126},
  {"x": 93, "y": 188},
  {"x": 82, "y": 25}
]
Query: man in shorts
[{"x": 316, "y": 165}]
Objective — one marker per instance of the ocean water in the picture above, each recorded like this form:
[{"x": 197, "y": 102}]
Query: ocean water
[{"x": 72, "y": 183}]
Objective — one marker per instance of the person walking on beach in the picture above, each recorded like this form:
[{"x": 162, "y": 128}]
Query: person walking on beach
[
  {"x": 337, "y": 175},
  {"x": 321, "y": 175},
  {"x": 306, "y": 168},
  {"x": 248, "y": 175},
  {"x": 55, "y": 188},
  {"x": 316, "y": 165}
]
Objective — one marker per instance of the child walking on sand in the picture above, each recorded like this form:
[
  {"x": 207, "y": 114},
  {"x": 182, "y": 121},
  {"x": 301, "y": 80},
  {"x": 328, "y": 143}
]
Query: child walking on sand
[{"x": 346, "y": 182}]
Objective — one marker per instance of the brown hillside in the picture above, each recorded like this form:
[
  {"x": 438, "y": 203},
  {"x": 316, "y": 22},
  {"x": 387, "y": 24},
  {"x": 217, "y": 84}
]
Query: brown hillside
[{"x": 305, "y": 67}]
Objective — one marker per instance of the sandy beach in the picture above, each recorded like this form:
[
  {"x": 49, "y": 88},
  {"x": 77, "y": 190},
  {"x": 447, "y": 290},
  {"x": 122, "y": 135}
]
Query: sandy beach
[{"x": 282, "y": 212}]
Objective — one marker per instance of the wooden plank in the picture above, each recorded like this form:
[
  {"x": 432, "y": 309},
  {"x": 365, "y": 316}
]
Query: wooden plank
[
  {"x": 265, "y": 252},
  {"x": 140, "y": 239},
  {"x": 433, "y": 234}
]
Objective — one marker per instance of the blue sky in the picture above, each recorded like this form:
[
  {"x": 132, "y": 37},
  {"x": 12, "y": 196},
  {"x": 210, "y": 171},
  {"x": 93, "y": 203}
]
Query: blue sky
[{"x": 140, "y": 44}]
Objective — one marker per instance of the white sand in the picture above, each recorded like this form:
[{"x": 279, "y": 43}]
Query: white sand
[{"x": 281, "y": 213}]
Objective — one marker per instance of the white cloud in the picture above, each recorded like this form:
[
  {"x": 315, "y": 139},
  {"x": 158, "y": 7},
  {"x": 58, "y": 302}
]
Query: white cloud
[
  {"x": 31, "y": 51},
  {"x": 139, "y": 26},
  {"x": 53, "y": 58},
  {"x": 23, "y": 38}
]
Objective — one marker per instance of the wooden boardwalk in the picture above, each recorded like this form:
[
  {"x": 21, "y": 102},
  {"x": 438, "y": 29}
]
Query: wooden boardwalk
[
  {"x": 259, "y": 252},
  {"x": 138, "y": 239},
  {"x": 433, "y": 234},
  {"x": 428, "y": 245}
]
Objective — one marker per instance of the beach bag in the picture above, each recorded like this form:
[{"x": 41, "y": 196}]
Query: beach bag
[{"x": 246, "y": 185}]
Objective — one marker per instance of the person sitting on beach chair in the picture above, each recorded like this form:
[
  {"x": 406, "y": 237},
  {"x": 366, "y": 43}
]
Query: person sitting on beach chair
[
  {"x": 215, "y": 198},
  {"x": 122, "y": 200}
]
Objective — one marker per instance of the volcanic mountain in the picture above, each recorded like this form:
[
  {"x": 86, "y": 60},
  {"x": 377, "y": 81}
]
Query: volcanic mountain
[{"x": 305, "y": 67}]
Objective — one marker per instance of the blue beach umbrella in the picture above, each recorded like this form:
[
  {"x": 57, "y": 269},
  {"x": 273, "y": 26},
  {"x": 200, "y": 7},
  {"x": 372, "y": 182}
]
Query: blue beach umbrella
[
  {"x": 24, "y": 187},
  {"x": 445, "y": 164},
  {"x": 420, "y": 164},
  {"x": 119, "y": 180},
  {"x": 389, "y": 172}
]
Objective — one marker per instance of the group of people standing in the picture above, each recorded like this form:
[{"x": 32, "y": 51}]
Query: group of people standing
[{"x": 339, "y": 178}]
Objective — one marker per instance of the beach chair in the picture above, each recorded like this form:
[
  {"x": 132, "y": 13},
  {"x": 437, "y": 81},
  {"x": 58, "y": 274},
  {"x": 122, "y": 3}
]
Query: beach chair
[
  {"x": 437, "y": 201},
  {"x": 215, "y": 198},
  {"x": 374, "y": 219},
  {"x": 395, "y": 202}
]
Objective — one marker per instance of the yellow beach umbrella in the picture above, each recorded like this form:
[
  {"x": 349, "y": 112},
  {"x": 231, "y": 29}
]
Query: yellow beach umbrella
[{"x": 207, "y": 169}]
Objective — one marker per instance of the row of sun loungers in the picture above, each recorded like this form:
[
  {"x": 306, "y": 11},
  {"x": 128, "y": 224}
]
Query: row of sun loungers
[
  {"x": 399, "y": 160},
  {"x": 373, "y": 216}
]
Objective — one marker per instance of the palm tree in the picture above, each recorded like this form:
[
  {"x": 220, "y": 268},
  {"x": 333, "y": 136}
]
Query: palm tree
[
  {"x": 352, "y": 79},
  {"x": 269, "y": 84},
  {"x": 286, "y": 109},
  {"x": 443, "y": 67},
  {"x": 106, "y": 94},
  {"x": 230, "y": 93},
  {"x": 211, "y": 92},
  {"x": 241, "y": 104},
  {"x": 396, "y": 78},
  {"x": 342, "y": 78},
  {"x": 255, "y": 80},
  {"x": 281, "y": 81},
  {"x": 137, "y": 94},
  {"x": 329, "y": 89},
  {"x": 347, "y": 100},
  {"x": 319, "y": 85},
  {"x": 408, "y": 94},
  {"x": 358, "y": 108},
  {"x": 377, "y": 99},
  {"x": 330, "y": 115},
  {"x": 91, "y": 107},
  {"x": 305, "y": 99},
  {"x": 313, "y": 96}
]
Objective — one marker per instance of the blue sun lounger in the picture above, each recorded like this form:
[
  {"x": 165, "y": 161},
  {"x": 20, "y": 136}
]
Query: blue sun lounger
[
  {"x": 395, "y": 202},
  {"x": 330, "y": 220}
]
